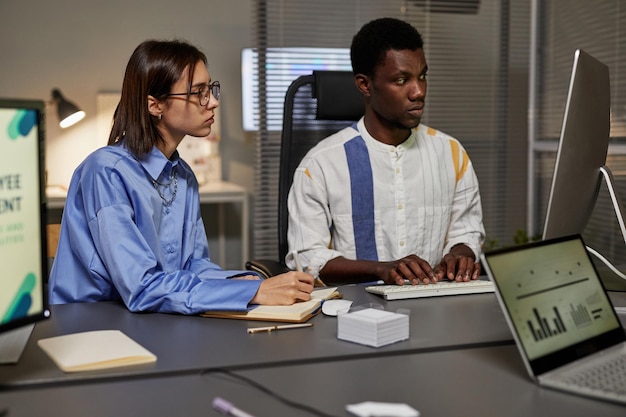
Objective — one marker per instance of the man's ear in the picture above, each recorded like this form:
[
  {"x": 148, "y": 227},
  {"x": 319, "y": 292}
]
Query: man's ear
[
  {"x": 155, "y": 107},
  {"x": 363, "y": 84}
]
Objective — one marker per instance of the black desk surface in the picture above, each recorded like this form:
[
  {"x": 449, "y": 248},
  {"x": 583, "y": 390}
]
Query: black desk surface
[
  {"x": 487, "y": 381},
  {"x": 187, "y": 345}
]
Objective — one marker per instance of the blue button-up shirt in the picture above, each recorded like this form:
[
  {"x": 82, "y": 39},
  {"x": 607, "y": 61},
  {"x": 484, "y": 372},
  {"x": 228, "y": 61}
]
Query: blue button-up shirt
[{"x": 120, "y": 240}]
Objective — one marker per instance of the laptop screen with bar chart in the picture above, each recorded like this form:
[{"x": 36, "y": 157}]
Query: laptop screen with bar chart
[{"x": 554, "y": 300}]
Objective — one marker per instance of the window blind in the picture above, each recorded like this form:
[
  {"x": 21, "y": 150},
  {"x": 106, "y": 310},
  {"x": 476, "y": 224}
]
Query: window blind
[{"x": 477, "y": 53}]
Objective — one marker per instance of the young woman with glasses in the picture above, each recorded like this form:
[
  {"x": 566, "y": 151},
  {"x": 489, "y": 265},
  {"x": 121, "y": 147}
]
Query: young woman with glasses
[{"x": 131, "y": 227}]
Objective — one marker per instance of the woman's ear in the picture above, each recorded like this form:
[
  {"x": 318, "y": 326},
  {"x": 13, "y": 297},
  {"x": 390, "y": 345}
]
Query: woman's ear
[{"x": 155, "y": 107}]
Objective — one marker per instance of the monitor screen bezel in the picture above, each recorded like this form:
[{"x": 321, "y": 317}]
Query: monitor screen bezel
[{"x": 40, "y": 108}]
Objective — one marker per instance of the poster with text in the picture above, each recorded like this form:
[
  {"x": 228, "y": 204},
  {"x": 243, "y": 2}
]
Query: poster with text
[{"x": 20, "y": 218}]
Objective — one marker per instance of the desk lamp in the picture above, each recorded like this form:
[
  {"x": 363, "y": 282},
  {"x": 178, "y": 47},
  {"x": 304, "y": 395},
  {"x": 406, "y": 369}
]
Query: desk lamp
[{"x": 68, "y": 112}]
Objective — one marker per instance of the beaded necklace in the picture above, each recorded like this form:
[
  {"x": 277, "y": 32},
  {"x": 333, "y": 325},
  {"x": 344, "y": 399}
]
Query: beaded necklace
[{"x": 166, "y": 186}]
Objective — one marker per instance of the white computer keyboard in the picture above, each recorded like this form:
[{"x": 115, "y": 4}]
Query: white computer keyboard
[{"x": 401, "y": 292}]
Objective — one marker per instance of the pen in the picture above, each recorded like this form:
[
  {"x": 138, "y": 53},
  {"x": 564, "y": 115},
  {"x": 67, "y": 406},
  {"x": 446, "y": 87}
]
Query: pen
[
  {"x": 228, "y": 409},
  {"x": 318, "y": 281},
  {"x": 279, "y": 327},
  {"x": 294, "y": 253}
]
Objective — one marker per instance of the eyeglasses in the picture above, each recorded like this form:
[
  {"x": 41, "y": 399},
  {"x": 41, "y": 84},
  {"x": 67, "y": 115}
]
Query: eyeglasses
[{"x": 204, "y": 93}]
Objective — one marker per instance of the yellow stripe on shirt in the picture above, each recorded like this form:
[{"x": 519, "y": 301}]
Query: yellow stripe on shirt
[{"x": 460, "y": 166}]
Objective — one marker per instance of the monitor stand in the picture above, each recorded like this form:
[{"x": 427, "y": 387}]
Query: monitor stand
[
  {"x": 12, "y": 344},
  {"x": 612, "y": 276},
  {"x": 617, "y": 204}
]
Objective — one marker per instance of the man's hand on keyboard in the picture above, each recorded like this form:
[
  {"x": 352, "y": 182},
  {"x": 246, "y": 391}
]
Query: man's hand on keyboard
[
  {"x": 411, "y": 268},
  {"x": 458, "y": 265}
]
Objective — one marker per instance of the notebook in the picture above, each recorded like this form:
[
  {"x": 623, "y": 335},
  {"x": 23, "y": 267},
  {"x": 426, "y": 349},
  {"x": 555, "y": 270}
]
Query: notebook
[
  {"x": 296, "y": 313},
  {"x": 441, "y": 288},
  {"x": 95, "y": 350},
  {"x": 564, "y": 325}
]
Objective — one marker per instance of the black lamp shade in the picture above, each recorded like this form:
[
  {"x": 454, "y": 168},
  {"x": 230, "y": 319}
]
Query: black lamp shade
[{"x": 68, "y": 112}]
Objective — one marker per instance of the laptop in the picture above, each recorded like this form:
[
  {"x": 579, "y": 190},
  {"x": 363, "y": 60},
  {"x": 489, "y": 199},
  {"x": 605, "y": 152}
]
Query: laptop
[{"x": 564, "y": 325}]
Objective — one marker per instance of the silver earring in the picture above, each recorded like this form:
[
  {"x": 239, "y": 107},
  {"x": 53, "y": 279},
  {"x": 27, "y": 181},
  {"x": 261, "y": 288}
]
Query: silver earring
[{"x": 160, "y": 116}]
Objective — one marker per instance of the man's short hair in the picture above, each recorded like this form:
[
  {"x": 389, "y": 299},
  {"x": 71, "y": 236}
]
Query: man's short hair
[{"x": 371, "y": 43}]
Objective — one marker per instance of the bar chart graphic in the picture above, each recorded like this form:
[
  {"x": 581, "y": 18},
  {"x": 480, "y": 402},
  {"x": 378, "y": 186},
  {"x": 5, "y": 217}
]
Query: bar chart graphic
[
  {"x": 580, "y": 315},
  {"x": 543, "y": 327},
  {"x": 552, "y": 296}
]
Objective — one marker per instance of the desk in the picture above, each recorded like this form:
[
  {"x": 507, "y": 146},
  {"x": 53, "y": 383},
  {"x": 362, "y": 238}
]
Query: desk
[
  {"x": 219, "y": 192},
  {"x": 489, "y": 381},
  {"x": 460, "y": 348},
  {"x": 190, "y": 344},
  {"x": 186, "y": 344}
]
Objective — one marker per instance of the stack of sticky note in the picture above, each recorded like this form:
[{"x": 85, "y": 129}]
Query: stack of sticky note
[{"x": 373, "y": 327}]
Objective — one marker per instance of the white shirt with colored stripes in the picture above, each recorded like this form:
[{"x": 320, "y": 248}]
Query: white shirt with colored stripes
[{"x": 425, "y": 199}]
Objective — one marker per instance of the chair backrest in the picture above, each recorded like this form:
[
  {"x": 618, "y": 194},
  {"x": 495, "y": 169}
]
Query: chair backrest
[{"x": 316, "y": 106}]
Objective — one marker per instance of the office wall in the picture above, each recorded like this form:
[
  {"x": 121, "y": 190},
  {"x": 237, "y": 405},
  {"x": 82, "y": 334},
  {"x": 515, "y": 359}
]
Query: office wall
[{"x": 82, "y": 48}]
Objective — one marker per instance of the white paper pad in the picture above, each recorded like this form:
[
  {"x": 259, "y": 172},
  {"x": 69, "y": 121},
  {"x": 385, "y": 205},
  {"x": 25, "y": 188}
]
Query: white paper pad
[{"x": 95, "y": 350}]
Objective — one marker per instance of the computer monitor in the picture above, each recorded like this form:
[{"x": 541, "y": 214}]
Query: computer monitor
[
  {"x": 582, "y": 148},
  {"x": 23, "y": 256},
  {"x": 580, "y": 162}
]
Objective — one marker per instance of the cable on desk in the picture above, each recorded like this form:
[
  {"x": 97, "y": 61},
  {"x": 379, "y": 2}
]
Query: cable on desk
[
  {"x": 275, "y": 395},
  {"x": 606, "y": 262}
]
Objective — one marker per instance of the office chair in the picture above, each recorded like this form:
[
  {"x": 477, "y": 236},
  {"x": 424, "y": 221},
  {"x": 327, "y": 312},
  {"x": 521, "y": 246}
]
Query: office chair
[{"x": 316, "y": 106}]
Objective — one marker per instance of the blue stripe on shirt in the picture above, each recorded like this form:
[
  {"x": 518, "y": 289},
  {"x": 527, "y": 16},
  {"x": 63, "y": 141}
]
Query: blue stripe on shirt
[{"x": 362, "y": 190}]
